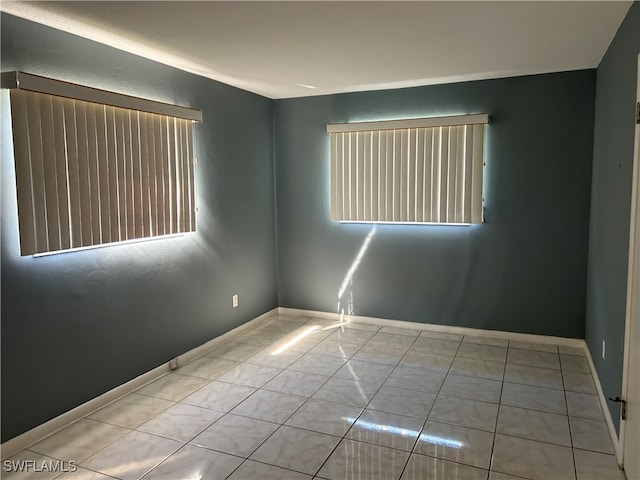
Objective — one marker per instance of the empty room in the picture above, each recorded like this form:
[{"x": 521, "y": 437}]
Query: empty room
[{"x": 320, "y": 240}]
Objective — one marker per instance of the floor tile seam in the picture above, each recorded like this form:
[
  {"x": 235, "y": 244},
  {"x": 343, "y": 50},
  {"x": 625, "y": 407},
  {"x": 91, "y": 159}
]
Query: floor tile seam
[
  {"x": 374, "y": 394},
  {"x": 186, "y": 374},
  {"x": 181, "y": 399},
  {"x": 191, "y": 438},
  {"x": 219, "y": 357},
  {"x": 535, "y": 440},
  {"x": 481, "y": 343},
  {"x": 262, "y": 419},
  {"x": 82, "y": 464},
  {"x": 446, "y": 460},
  {"x": 459, "y": 425},
  {"x": 534, "y": 410},
  {"x": 445, "y": 395},
  {"x": 79, "y": 462},
  {"x": 242, "y": 384},
  {"x": 136, "y": 427},
  {"x": 512, "y": 475},
  {"x": 196, "y": 445},
  {"x": 252, "y": 451},
  {"x": 384, "y": 384},
  {"x": 235, "y": 454},
  {"x": 582, "y": 449},
  {"x": 569, "y": 445},
  {"x": 581, "y": 391},
  {"x": 582, "y": 373},
  {"x": 209, "y": 408},
  {"x": 573, "y": 455},
  {"x": 224, "y": 414},
  {"x": 600, "y": 419},
  {"x": 344, "y": 437},
  {"x": 317, "y": 399},
  {"x": 307, "y": 371},
  {"x": 417, "y": 440},
  {"x": 533, "y": 366},
  {"x": 409, "y": 350},
  {"x": 473, "y": 357},
  {"x": 424, "y": 423},
  {"x": 495, "y": 429},
  {"x": 573, "y": 355},
  {"x": 245, "y": 460},
  {"x": 173, "y": 404},
  {"x": 350, "y": 356},
  {"x": 44, "y": 455},
  {"x": 488, "y": 346},
  {"x": 100, "y": 473},
  {"x": 395, "y": 413},
  {"x": 329, "y": 377},
  {"x": 511, "y": 382},
  {"x": 595, "y": 451},
  {"x": 541, "y": 386},
  {"x": 457, "y": 374},
  {"x": 361, "y": 411},
  {"x": 460, "y": 374},
  {"x": 556, "y": 353},
  {"x": 142, "y": 477},
  {"x": 332, "y": 450}
]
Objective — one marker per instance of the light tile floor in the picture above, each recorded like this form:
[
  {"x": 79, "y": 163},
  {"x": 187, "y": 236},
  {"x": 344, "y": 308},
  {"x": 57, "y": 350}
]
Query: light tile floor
[{"x": 301, "y": 398}]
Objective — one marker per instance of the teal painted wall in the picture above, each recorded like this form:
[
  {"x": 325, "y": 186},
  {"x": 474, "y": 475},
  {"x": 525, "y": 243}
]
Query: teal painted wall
[
  {"x": 611, "y": 203},
  {"x": 524, "y": 270},
  {"x": 78, "y": 324}
]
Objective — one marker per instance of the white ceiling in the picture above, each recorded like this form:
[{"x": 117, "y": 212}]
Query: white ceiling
[{"x": 294, "y": 49}]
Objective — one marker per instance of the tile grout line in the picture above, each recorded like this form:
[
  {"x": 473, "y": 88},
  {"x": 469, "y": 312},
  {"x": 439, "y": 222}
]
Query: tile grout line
[
  {"x": 368, "y": 402},
  {"x": 412, "y": 452},
  {"x": 495, "y": 432}
]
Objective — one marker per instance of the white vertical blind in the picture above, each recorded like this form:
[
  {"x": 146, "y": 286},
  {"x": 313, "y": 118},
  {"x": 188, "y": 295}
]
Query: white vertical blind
[
  {"x": 89, "y": 174},
  {"x": 409, "y": 171}
]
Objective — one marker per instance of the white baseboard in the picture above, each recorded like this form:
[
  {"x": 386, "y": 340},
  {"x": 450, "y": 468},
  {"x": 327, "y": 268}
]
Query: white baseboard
[
  {"x": 617, "y": 445},
  {"x": 28, "y": 438},
  {"x": 384, "y": 322}
]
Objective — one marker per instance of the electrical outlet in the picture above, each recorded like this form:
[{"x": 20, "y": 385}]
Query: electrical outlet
[
  {"x": 234, "y": 300},
  {"x": 604, "y": 349},
  {"x": 174, "y": 364}
]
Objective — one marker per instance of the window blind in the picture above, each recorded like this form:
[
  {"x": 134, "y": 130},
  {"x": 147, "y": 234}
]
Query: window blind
[
  {"x": 408, "y": 171},
  {"x": 89, "y": 174}
]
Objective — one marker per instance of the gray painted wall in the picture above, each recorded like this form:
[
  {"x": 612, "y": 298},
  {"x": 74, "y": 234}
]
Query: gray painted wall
[
  {"x": 78, "y": 324},
  {"x": 611, "y": 203},
  {"x": 524, "y": 270}
]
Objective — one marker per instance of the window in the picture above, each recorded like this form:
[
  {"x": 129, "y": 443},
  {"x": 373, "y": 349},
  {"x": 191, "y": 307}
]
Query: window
[
  {"x": 96, "y": 167},
  {"x": 426, "y": 170}
]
